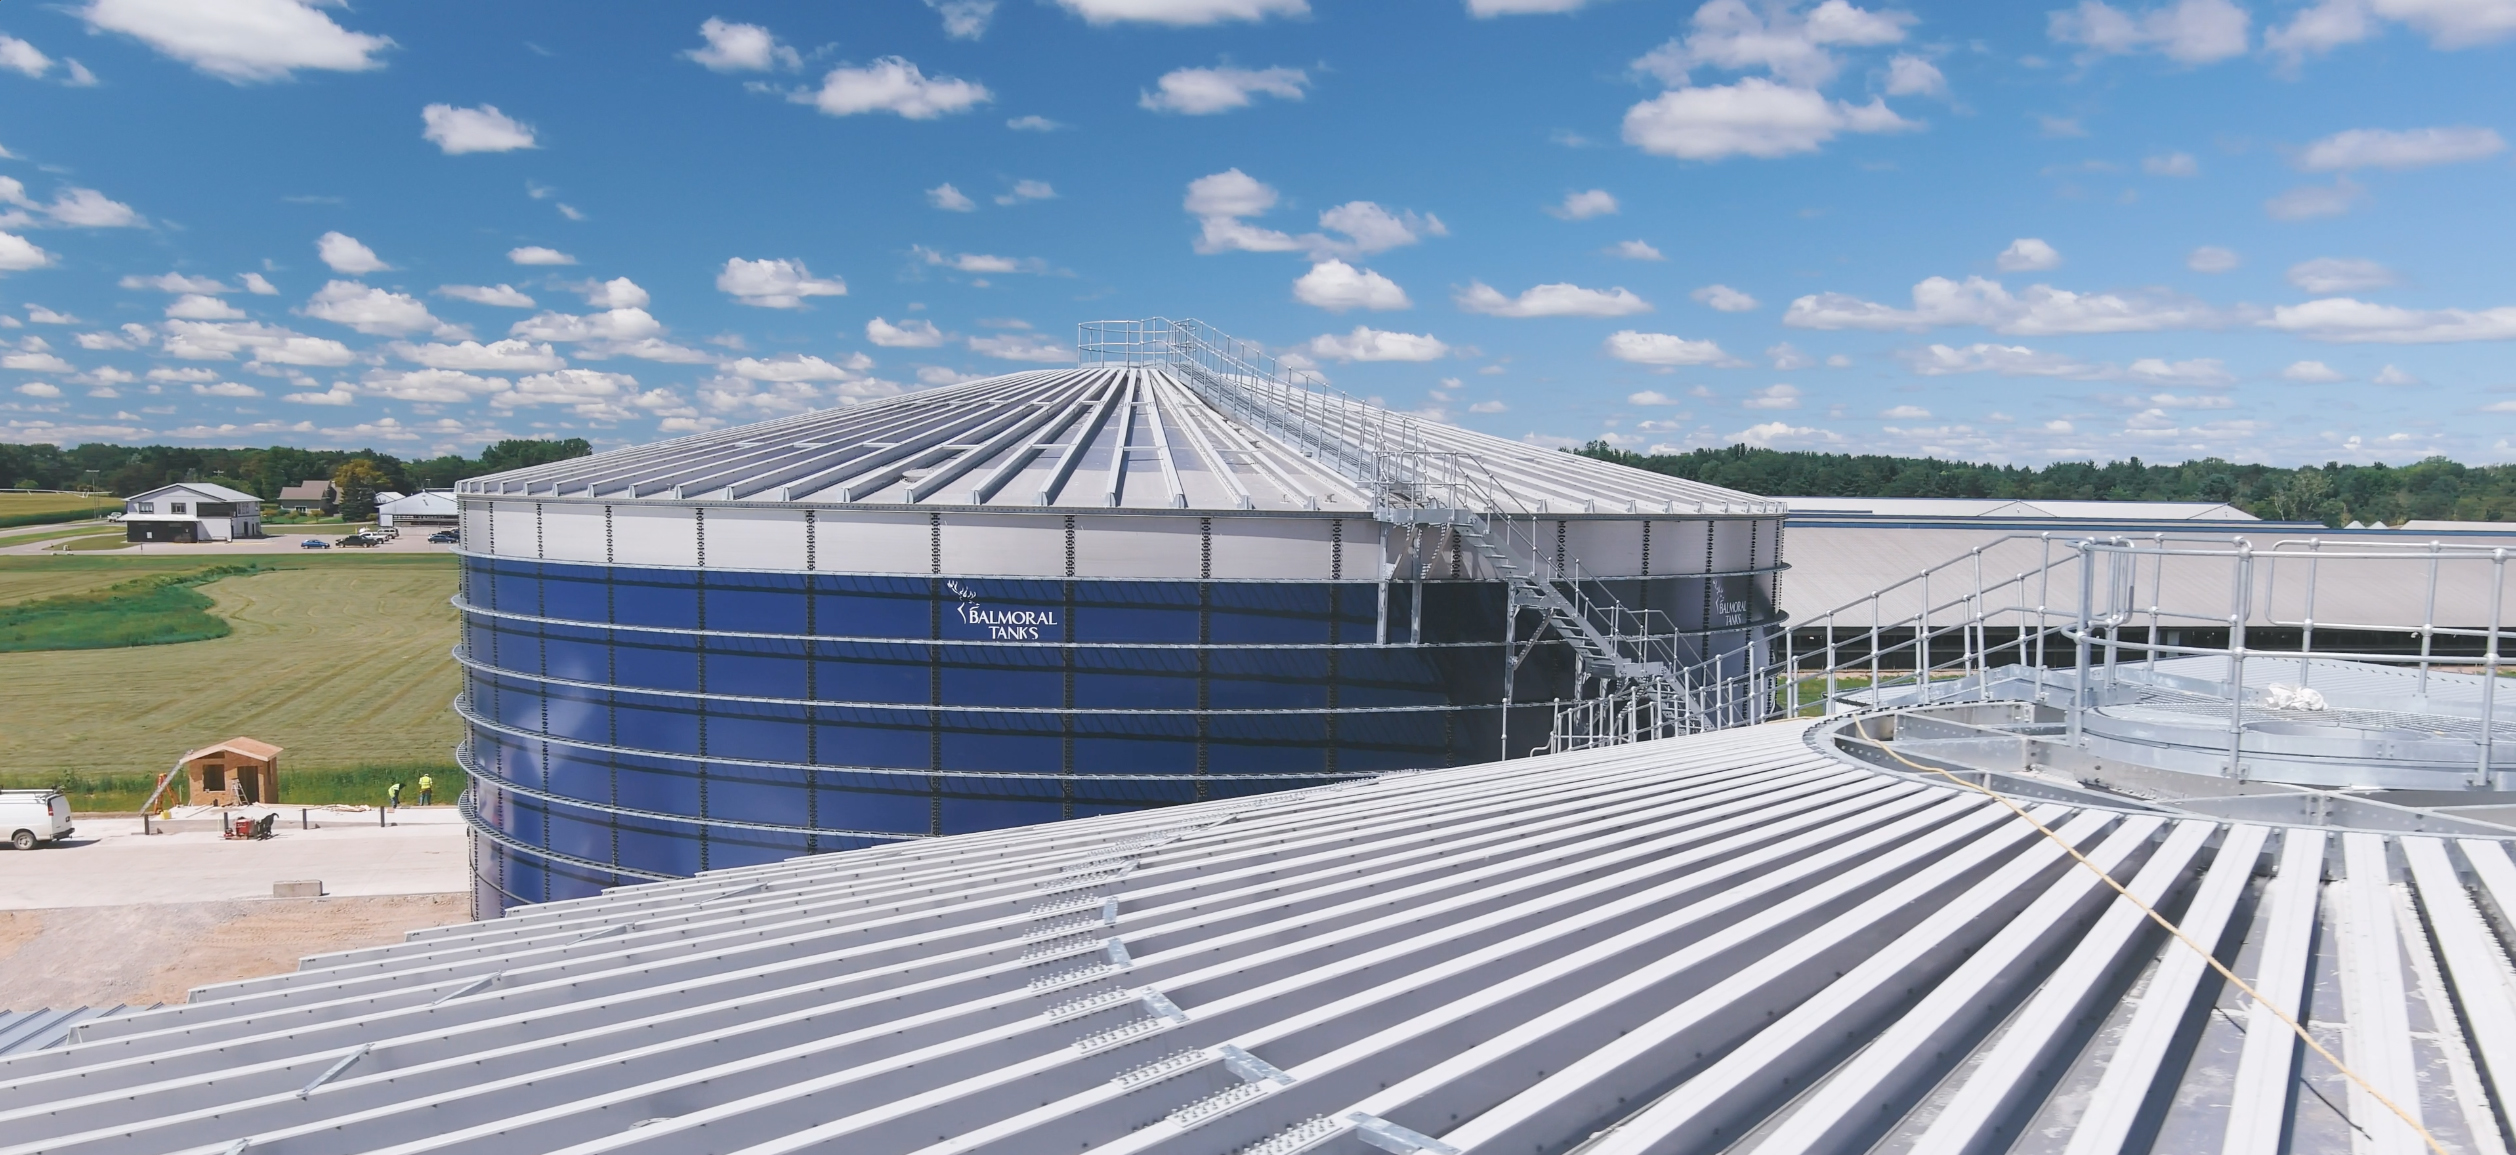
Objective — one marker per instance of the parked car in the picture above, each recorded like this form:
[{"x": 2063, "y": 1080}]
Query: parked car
[
  {"x": 445, "y": 537},
  {"x": 314, "y": 543},
  {"x": 31, "y": 818},
  {"x": 382, "y": 532},
  {"x": 358, "y": 540}
]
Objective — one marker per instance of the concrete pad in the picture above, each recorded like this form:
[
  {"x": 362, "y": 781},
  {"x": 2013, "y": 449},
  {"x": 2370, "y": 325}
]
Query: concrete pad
[{"x": 110, "y": 863}]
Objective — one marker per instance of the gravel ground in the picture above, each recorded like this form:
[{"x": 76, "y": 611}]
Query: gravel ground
[{"x": 155, "y": 952}]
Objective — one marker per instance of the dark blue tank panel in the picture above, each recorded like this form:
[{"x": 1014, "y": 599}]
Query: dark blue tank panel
[{"x": 628, "y": 724}]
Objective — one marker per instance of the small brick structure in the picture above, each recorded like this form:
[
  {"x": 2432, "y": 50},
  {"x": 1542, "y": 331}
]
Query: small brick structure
[{"x": 236, "y": 772}]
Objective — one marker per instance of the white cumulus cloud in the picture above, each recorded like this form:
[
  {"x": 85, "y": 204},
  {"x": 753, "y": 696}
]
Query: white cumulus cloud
[
  {"x": 2027, "y": 255},
  {"x": 175, "y": 283},
  {"x": 1368, "y": 344},
  {"x": 950, "y": 199},
  {"x": 2346, "y": 319},
  {"x": 508, "y": 356},
  {"x": 17, "y": 254},
  {"x": 502, "y": 295},
  {"x": 2312, "y": 372},
  {"x": 1581, "y": 206},
  {"x": 23, "y": 58},
  {"x": 2340, "y": 275},
  {"x": 345, "y": 255},
  {"x": 484, "y": 129},
  {"x": 202, "y": 307},
  {"x": 1909, "y": 75},
  {"x": 1554, "y": 300},
  {"x": 896, "y": 86},
  {"x": 614, "y": 325},
  {"x": 1027, "y": 190},
  {"x": 1021, "y": 347},
  {"x": 2211, "y": 259},
  {"x": 2409, "y": 148},
  {"x": 2393, "y": 375},
  {"x": 909, "y": 334},
  {"x": 1221, "y": 200},
  {"x": 2185, "y": 31},
  {"x": 1182, "y": 13},
  {"x": 43, "y": 389},
  {"x": 241, "y": 40},
  {"x": 1662, "y": 349},
  {"x": 2171, "y": 164},
  {"x": 1778, "y": 396},
  {"x": 735, "y": 47},
  {"x": 1724, "y": 298},
  {"x": 2041, "y": 309},
  {"x": 1205, "y": 91},
  {"x": 798, "y": 367},
  {"x": 369, "y": 310},
  {"x": 964, "y": 19},
  {"x": 1336, "y": 286},
  {"x": 774, "y": 283},
  {"x": 2307, "y": 202},
  {"x": 1753, "y": 117},
  {"x": 1634, "y": 251},
  {"x": 617, "y": 293},
  {"x": 537, "y": 255},
  {"x": 86, "y": 208}
]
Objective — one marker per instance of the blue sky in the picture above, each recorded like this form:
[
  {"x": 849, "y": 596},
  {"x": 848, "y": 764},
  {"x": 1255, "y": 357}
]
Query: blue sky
[{"x": 2020, "y": 232}]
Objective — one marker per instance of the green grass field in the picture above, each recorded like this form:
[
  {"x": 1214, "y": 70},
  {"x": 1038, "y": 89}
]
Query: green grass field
[
  {"x": 43, "y": 508},
  {"x": 341, "y": 660},
  {"x": 154, "y": 610}
]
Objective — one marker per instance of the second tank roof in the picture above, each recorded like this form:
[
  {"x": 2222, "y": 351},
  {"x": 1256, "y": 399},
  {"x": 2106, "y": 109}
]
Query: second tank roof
[{"x": 1126, "y": 436}]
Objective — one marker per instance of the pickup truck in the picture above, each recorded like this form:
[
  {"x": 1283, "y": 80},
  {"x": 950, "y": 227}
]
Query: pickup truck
[{"x": 31, "y": 818}]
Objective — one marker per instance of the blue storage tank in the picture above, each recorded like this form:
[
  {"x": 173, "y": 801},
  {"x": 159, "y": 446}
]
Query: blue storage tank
[{"x": 1150, "y": 579}]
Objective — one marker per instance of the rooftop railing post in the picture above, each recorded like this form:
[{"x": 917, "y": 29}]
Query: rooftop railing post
[
  {"x": 2241, "y": 610},
  {"x": 2079, "y": 686},
  {"x": 2490, "y": 666},
  {"x": 2428, "y": 624},
  {"x": 2306, "y": 628}
]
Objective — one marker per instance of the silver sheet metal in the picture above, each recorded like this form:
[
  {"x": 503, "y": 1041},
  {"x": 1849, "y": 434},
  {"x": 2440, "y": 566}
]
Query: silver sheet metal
[{"x": 1737, "y": 941}]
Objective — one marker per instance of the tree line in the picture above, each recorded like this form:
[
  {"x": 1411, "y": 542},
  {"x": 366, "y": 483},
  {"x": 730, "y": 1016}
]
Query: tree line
[
  {"x": 2436, "y": 489},
  {"x": 358, "y": 474}
]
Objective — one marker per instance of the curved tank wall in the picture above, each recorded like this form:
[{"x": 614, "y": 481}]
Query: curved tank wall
[{"x": 656, "y": 689}]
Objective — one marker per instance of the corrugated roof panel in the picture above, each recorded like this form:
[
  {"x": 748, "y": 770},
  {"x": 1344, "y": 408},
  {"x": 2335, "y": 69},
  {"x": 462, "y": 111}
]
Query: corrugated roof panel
[
  {"x": 1003, "y": 441},
  {"x": 1729, "y": 942}
]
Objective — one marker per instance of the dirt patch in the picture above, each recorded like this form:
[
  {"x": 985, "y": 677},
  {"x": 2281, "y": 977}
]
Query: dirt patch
[{"x": 156, "y": 952}]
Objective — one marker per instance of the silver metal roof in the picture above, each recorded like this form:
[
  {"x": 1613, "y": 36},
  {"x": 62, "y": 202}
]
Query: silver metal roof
[
  {"x": 1132, "y": 436},
  {"x": 1731, "y": 942}
]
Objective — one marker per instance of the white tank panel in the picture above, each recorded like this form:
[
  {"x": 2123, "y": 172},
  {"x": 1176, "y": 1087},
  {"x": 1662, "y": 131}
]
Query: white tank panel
[
  {"x": 664, "y": 535},
  {"x": 1137, "y": 547},
  {"x": 1287, "y": 548},
  {"x": 572, "y": 532},
  {"x": 846, "y": 541},
  {"x": 753, "y": 538}
]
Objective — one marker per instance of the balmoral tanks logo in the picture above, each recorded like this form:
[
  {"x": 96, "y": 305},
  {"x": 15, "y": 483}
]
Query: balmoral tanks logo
[{"x": 1001, "y": 625}]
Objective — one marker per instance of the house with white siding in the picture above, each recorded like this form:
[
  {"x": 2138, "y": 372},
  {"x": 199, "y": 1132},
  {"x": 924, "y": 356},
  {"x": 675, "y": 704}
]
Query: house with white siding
[{"x": 192, "y": 511}]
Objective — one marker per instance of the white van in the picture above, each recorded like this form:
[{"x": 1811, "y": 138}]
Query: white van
[{"x": 32, "y": 817}]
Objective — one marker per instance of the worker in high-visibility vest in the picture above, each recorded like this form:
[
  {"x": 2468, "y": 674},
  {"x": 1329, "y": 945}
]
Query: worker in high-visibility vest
[
  {"x": 427, "y": 789},
  {"x": 393, "y": 797}
]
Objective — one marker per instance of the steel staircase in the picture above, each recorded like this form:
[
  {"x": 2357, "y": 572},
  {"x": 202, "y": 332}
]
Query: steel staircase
[{"x": 1641, "y": 689}]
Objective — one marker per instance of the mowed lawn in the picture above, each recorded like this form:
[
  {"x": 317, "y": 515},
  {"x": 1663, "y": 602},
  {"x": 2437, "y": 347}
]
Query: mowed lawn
[{"x": 343, "y": 661}]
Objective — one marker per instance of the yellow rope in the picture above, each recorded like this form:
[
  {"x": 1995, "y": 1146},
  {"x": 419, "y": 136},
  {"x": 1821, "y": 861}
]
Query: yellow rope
[{"x": 1861, "y": 727}]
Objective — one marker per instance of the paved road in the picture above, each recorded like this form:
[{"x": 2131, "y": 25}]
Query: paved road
[{"x": 409, "y": 542}]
